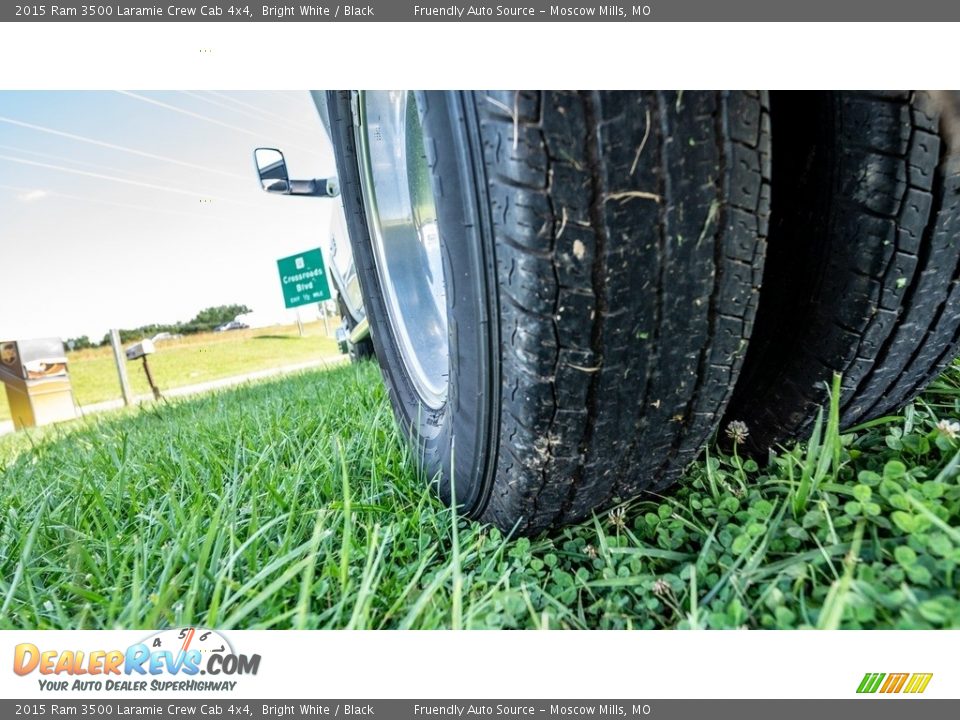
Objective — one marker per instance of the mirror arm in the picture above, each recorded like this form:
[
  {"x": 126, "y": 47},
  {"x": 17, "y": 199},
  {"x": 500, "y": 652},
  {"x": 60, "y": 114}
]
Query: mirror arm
[
  {"x": 318, "y": 187},
  {"x": 271, "y": 164}
]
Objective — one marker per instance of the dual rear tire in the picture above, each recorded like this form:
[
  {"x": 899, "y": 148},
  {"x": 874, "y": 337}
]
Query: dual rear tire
[
  {"x": 864, "y": 261},
  {"x": 602, "y": 256}
]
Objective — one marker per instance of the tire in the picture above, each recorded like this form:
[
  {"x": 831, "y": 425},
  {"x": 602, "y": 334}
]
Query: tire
[
  {"x": 602, "y": 254},
  {"x": 863, "y": 268},
  {"x": 361, "y": 350}
]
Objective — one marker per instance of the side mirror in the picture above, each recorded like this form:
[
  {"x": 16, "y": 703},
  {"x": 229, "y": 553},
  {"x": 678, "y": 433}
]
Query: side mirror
[{"x": 272, "y": 171}]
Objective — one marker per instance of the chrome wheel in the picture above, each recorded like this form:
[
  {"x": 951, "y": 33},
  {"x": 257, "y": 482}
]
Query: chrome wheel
[{"x": 402, "y": 219}]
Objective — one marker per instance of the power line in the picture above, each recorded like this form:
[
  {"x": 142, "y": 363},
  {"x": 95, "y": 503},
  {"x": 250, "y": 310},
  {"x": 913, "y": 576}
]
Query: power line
[
  {"x": 204, "y": 118},
  {"x": 264, "y": 111},
  {"x": 128, "y": 206},
  {"x": 64, "y": 159},
  {"x": 124, "y": 181},
  {"x": 225, "y": 106},
  {"x": 252, "y": 115},
  {"x": 288, "y": 96},
  {"x": 121, "y": 148}
]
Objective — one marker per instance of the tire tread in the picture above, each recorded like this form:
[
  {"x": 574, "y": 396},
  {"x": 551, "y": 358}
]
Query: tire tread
[{"x": 624, "y": 318}]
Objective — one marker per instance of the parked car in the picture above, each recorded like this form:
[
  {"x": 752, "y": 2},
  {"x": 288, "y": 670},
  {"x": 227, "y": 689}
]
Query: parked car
[
  {"x": 164, "y": 337},
  {"x": 568, "y": 293},
  {"x": 232, "y": 325}
]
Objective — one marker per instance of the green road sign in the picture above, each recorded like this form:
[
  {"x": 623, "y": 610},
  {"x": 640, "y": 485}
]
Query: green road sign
[{"x": 303, "y": 278}]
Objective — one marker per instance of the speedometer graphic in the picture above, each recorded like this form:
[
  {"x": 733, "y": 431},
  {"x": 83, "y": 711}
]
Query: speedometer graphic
[{"x": 177, "y": 640}]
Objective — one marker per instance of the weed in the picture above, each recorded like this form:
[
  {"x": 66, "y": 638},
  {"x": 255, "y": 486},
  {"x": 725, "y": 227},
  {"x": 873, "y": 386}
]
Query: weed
[{"x": 295, "y": 503}]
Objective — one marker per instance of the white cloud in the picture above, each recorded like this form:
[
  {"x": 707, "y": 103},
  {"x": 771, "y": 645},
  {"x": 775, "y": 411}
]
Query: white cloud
[{"x": 32, "y": 195}]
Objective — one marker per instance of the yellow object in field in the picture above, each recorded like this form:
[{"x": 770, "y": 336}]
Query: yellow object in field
[{"x": 38, "y": 384}]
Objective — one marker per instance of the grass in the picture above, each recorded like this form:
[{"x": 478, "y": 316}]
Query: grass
[
  {"x": 294, "y": 503},
  {"x": 195, "y": 359}
]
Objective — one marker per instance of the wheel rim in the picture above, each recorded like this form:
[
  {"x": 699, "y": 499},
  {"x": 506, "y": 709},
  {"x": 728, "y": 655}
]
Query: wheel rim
[
  {"x": 402, "y": 218},
  {"x": 344, "y": 268}
]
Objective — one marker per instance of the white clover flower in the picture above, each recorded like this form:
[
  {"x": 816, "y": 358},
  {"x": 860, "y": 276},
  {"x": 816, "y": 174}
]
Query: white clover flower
[
  {"x": 950, "y": 429},
  {"x": 738, "y": 431},
  {"x": 618, "y": 517},
  {"x": 661, "y": 588}
]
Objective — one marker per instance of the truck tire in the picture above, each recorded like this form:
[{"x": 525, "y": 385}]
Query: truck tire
[
  {"x": 601, "y": 254},
  {"x": 360, "y": 350},
  {"x": 863, "y": 268}
]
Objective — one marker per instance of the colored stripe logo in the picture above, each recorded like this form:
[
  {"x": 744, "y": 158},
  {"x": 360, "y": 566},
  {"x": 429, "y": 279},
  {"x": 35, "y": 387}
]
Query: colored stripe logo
[{"x": 913, "y": 683}]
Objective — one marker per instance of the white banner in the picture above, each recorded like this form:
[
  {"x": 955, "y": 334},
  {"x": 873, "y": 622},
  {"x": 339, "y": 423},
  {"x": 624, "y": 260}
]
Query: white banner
[{"x": 195, "y": 662}]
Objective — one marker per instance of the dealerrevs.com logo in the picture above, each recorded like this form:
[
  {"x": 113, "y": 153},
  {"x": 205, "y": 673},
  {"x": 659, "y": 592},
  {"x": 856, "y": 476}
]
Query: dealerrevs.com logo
[
  {"x": 887, "y": 683},
  {"x": 169, "y": 660}
]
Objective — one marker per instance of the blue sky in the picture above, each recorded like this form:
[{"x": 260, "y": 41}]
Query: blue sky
[{"x": 144, "y": 207}]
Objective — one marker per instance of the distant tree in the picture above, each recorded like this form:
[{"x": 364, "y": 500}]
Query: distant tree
[
  {"x": 204, "y": 321},
  {"x": 211, "y": 317},
  {"x": 80, "y": 343}
]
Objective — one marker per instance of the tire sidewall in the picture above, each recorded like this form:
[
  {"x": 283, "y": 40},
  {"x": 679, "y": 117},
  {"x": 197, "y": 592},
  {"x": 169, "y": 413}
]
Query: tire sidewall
[{"x": 456, "y": 442}]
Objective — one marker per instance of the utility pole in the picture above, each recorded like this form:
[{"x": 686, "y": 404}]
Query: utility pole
[{"x": 121, "y": 361}]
